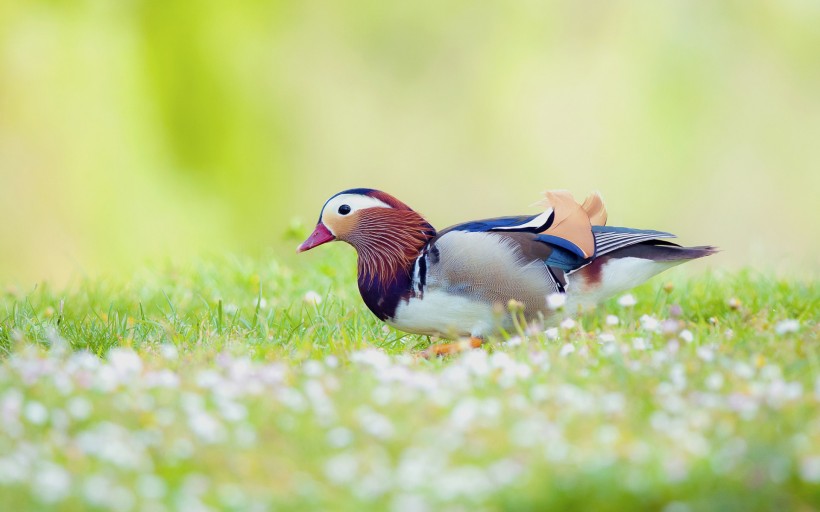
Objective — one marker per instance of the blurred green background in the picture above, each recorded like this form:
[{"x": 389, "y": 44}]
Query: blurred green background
[{"x": 133, "y": 130}]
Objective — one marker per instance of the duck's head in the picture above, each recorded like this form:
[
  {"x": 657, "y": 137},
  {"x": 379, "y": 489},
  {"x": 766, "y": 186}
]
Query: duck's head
[
  {"x": 352, "y": 213},
  {"x": 343, "y": 214},
  {"x": 384, "y": 230}
]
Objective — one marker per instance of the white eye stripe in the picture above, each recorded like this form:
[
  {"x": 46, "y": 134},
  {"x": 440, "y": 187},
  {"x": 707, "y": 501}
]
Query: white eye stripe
[{"x": 355, "y": 201}]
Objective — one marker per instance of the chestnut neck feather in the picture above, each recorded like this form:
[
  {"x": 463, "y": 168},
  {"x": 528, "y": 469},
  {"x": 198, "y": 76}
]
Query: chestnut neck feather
[{"x": 388, "y": 242}]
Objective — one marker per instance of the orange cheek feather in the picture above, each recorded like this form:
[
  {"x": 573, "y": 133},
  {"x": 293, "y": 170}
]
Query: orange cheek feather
[{"x": 344, "y": 226}]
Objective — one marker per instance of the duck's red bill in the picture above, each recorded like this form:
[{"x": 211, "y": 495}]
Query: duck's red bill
[{"x": 321, "y": 235}]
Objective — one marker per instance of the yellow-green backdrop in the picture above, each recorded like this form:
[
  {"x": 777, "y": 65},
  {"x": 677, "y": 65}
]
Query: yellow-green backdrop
[{"x": 140, "y": 129}]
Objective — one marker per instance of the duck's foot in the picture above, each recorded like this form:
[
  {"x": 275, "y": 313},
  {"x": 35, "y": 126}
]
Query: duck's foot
[{"x": 448, "y": 349}]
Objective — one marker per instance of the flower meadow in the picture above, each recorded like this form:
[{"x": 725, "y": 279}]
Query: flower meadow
[{"x": 243, "y": 385}]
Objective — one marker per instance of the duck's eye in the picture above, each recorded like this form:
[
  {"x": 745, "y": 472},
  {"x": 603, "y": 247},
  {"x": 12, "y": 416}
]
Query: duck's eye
[{"x": 344, "y": 209}]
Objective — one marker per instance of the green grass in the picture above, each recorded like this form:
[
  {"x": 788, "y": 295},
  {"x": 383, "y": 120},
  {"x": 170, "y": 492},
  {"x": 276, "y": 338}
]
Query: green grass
[{"x": 227, "y": 389}]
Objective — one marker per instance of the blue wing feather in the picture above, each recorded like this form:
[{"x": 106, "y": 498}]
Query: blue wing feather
[
  {"x": 564, "y": 259},
  {"x": 566, "y": 255}
]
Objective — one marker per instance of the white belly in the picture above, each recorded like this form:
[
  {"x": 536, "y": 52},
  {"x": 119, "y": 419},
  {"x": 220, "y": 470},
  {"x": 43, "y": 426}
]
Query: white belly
[{"x": 444, "y": 314}]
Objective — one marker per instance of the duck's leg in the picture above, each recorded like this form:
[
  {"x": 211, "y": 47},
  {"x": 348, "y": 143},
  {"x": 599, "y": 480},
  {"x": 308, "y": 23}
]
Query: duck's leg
[{"x": 447, "y": 349}]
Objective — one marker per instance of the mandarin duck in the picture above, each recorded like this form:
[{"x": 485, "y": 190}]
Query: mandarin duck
[{"x": 457, "y": 283}]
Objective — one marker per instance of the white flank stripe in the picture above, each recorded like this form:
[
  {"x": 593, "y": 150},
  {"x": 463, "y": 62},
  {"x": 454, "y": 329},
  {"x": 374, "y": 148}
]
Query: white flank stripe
[
  {"x": 534, "y": 223},
  {"x": 417, "y": 275}
]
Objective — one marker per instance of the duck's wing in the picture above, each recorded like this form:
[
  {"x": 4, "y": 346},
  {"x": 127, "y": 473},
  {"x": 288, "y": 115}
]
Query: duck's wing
[{"x": 562, "y": 233}]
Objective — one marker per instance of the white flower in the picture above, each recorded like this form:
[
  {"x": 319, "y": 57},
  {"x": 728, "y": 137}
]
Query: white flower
[
  {"x": 312, "y": 297},
  {"x": 125, "y": 361},
  {"x": 233, "y": 497},
  {"x": 551, "y": 333},
  {"x": 151, "y": 487},
  {"x": 464, "y": 413},
  {"x": 787, "y": 326},
  {"x": 628, "y": 300},
  {"x": 83, "y": 360},
  {"x": 670, "y": 326},
  {"x": 686, "y": 335},
  {"x": 342, "y": 468},
  {"x": 817, "y": 388},
  {"x": 505, "y": 472},
  {"x": 771, "y": 372},
  {"x": 415, "y": 464},
  {"x": 556, "y": 300},
  {"x": 568, "y": 323},
  {"x": 51, "y": 483},
  {"x": 612, "y": 320},
  {"x": 107, "y": 378},
  {"x": 567, "y": 349},
  {"x": 650, "y": 323},
  {"x": 232, "y": 411},
  {"x": 206, "y": 427},
  {"x": 374, "y": 423},
  {"x": 744, "y": 371},
  {"x": 463, "y": 482},
  {"x": 208, "y": 379},
  {"x": 639, "y": 344},
  {"x": 182, "y": 448},
  {"x": 501, "y": 360},
  {"x": 608, "y": 434},
  {"x": 10, "y": 405},
  {"x": 410, "y": 503},
  {"x": 292, "y": 399},
  {"x": 169, "y": 351},
  {"x": 339, "y": 437},
  {"x": 58, "y": 344},
  {"x": 606, "y": 337},
  {"x": 677, "y": 375},
  {"x": 312, "y": 368},
  {"x": 475, "y": 361},
  {"x": 705, "y": 353},
  {"x": 11, "y": 471},
  {"x": 162, "y": 379},
  {"x": 194, "y": 485},
  {"x": 371, "y": 356},
  {"x": 36, "y": 413},
  {"x": 810, "y": 469},
  {"x": 514, "y": 341},
  {"x": 121, "y": 499},
  {"x": 79, "y": 407},
  {"x": 714, "y": 381},
  {"x": 113, "y": 443},
  {"x": 96, "y": 490}
]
